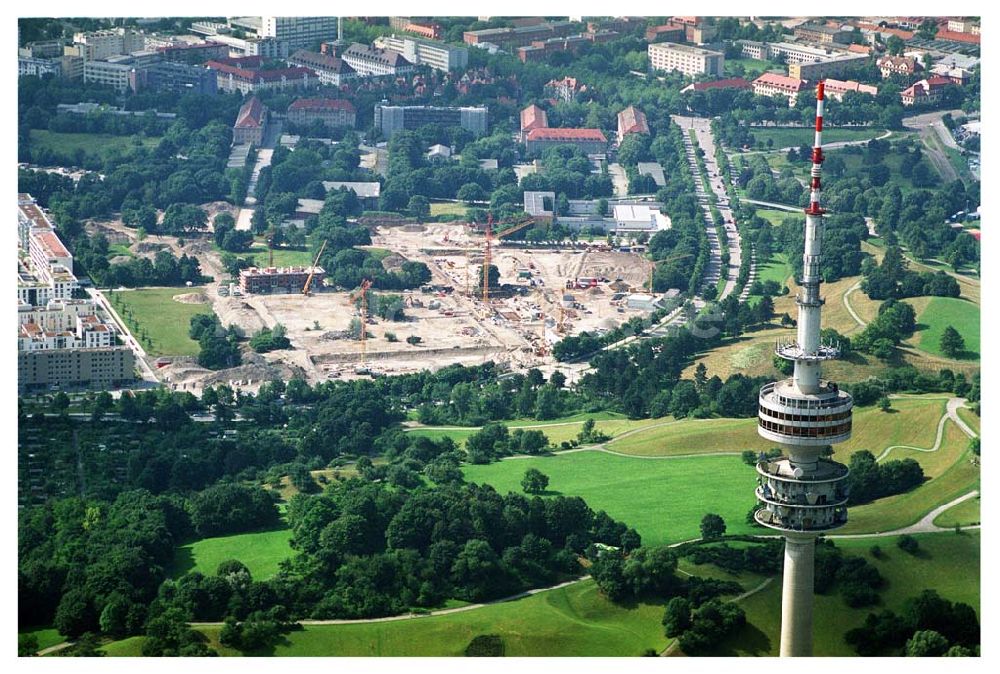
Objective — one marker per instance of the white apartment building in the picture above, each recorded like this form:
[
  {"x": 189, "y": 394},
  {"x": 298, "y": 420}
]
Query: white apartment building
[
  {"x": 64, "y": 323},
  {"x": 101, "y": 44},
  {"x": 670, "y": 57},
  {"x": 369, "y": 61},
  {"x": 117, "y": 75},
  {"x": 421, "y": 52},
  {"x": 772, "y": 84},
  {"x": 27, "y": 65}
]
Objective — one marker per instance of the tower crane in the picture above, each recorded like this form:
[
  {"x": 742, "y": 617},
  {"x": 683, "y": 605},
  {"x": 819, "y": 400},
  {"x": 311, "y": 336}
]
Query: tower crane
[
  {"x": 362, "y": 295},
  {"x": 312, "y": 270},
  {"x": 487, "y": 259}
]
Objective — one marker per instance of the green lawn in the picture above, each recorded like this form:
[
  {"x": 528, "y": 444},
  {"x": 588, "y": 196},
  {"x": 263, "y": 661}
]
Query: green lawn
[
  {"x": 448, "y": 208},
  {"x": 970, "y": 418},
  {"x": 165, "y": 320},
  {"x": 966, "y": 512},
  {"x": 777, "y": 268},
  {"x": 101, "y": 144},
  {"x": 941, "y": 312},
  {"x": 947, "y": 563},
  {"x": 47, "y": 636},
  {"x": 751, "y": 67},
  {"x": 283, "y": 257},
  {"x": 261, "y": 551},
  {"x": 663, "y": 499},
  {"x": 795, "y": 137},
  {"x": 116, "y": 249},
  {"x": 775, "y": 216}
]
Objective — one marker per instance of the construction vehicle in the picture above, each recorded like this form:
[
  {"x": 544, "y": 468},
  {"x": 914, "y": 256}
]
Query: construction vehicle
[
  {"x": 312, "y": 270},
  {"x": 362, "y": 295}
]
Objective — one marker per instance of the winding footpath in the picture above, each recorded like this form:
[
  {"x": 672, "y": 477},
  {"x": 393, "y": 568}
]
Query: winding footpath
[{"x": 847, "y": 304}]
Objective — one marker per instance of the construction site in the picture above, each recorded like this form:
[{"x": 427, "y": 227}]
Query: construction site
[{"x": 544, "y": 292}]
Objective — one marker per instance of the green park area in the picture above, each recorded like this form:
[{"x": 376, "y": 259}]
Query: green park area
[
  {"x": 99, "y": 144},
  {"x": 934, "y": 314},
  {"x": 448, "y": 208},
  {"x": 260, "y": 551},
  {"x": 798, "y": 136},
  {"x": 157, "y": 320},
  {"x": 946, "y": 562},
  {"x": 750, "y": 68}
]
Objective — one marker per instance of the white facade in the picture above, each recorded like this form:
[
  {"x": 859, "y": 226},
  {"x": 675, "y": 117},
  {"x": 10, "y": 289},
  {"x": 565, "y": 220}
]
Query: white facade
[
  {"x": 299, "y": 31},
  {"x": 685, "y": 59},
  {"x": 103, "y": 44},
  {"x": 437, "y": 55}
]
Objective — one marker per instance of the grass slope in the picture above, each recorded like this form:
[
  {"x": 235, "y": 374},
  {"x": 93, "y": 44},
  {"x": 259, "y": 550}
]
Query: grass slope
[
  {"x": 165, "y": 320},
  {"x": 795, "y": 137},
  {"x": 47, "y": 636},
  {"x": 965, "y": 513},
  {"x": 663, "y": 499},
  {"x": 934, "y": 314},
  {"x": 261, "y": 551},
  {"x": 99, "y": 144}
]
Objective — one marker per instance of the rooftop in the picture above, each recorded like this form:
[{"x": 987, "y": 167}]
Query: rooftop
[
  {"x": 533, "y": 117},
  {"x": 321, "y": 104},
  {"x": 594, "y": 135},
  {"x": 251, "y": 115},
  {"x": 780, "y": 81}
]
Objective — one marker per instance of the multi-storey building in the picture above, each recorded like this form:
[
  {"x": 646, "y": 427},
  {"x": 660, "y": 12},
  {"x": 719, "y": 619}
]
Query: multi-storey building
[
  {"x": 772, "y": 84},
  {"x": 370, "y": 61},
  {"x": 437, "y": 55},
  {"x": 532, "y": 117},
  {"x": 631, "y": 120},
  {"x": 836, "y": 89},
  {"x": 42, "y": 49},
  {"x": 117, "y": 75},
  {"x": 589, "y": 141},
  {"x": 898, "y": 65},
  {"x": 685, "y": 59},
  {"x": 518, "y": 36},
  {"x": 267, "y": 280},
  {"x": 925, "y": 91},
  {"x": 178, "y": 78},
  {"x": 332, "y": 113},
  {"x": 668, "y": 32},
  {"x": 37, "y": 67},
  {"x": 80, "y": 367},
  {"x": 103, "y": 44},
  {"x": 790, "y": 52},
  {"x": 392, "y": 118},
  {"x": 243, "y": 75},
  {"x": 331, "y": 70},
  {"x": 299, "y": 32},
  {"x": 194, "y": 54},
  {"x": 822, "y": 34},
  {"x": 834, "y": 66},
  {"x": 565, "y": 89},
  {"x": 251, "y": 123}
]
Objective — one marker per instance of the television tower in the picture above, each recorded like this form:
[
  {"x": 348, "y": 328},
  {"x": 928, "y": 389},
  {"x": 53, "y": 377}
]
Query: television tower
[{"x": 803, "y": 494}]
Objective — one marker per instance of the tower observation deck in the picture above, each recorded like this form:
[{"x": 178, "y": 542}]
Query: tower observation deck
[{"x": 804, "y": 494}]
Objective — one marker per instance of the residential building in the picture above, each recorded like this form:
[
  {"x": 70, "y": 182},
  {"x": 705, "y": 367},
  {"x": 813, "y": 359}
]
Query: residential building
[
  {"x": 42, "y": 49},
  {"x": 837, "y": 88},
  {"x": 532, "y": 117},
  {"x": 367, "y": 192},
  {"x": 421, "y": 52},
  {"x": 898, "y": 65},
  {"x": 835, "y": 66},
  {"x": 243, "y": 75},
  {"x": 540, "y": 49},
  {"x": 369, "y": 61},
  {"x": 959, "y": 76},
  {"x": 178, "y": 78},
  {"x": 299, "y": 32},
  {"x": 631, "y": 120},
  {"x": 392, "y": 118},
  {"x": 565, "y": 89},
  {"x": 195, "y": 54},
  {"x": 29, "y": 66},
  {"x": 822, "y": 34},
  {"x": 251, "y": 123},
  {"x": 51, "y": 368},
  {"x": 331, "y": 70},
  {"x": 62, "y": 324},
  {"x": 730, "y": 83},
  {"x": 71, "y": 67},
  {"x": 117, "y": 75},
  {"x": 788, "y": 51},
  {"x": 772, "y": 84},
  {"x": 103, "y": 44},
  {"x": 589, "y": 141},
  {"x": 685, "y": 59},
  {"x": 668, "y": 32},
  {"x": 963, "y": 25},
  {"x": 332, "y": 113},
  {"x": 266, "y": 280},
  {"x": 925, "y": 91}
]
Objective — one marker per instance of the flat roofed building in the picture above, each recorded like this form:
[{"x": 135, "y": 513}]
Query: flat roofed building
[
  {"x": 102, "y": 44},
  {"x": 392, "y": 118},
  {"x": 369, "y": 61},
  {"x": 268, "y": 280},
  {"x": 639, "y": 218},
  {"x": 519, "y": 36},
  {"x": 631, "y": 120},
  {"x": 251, "y": 123},
  {"x": 332, "y": 113},
  {"x": 589, "y": 141},
  {"x": 299, "y": 31},
  {"x": 834, "y": 66},
  {"x": 117, "y": 75},
  {"x": 331, "y": 70},
  {"x": 685, "y": 59},
  {"x": 837, "y": 88},
  {"x": 535, "y": 203},
  {"x": 772, "y": 84},
  {"x": 822, "y": 34},
  {"x": 94, "y": 368},
  {"x": 178, "y": 78},
  {"x": 422, "y": 52}
]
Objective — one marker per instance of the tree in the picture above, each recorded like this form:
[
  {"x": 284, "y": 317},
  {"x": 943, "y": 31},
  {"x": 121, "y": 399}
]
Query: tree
[
  {"x": 27, "y": 645},
  {"x": 952, "y": 344},
  {"x": 908, "y": 544},
  {"x": 60, "y": 402},
  {"x": 926, "y": 644},
  {"x": 677, "y": 616},
  {"x": 419, "y": 207},
  {"x": 884, "y": 403},
  {"x": 534, "y": 481},
  {"x": 712, "y": 526},
  {"x": 103, "y": 403}
]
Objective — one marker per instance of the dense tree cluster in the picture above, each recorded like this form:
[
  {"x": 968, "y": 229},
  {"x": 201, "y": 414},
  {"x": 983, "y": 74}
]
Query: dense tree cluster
[
  {"x": 270, "y": 339},
  {"x": 230, "y": 508},
  {"x": 870, "y": 480},
  {"x": 219, "y": 347},
  {"x": 494, "y": 441},
  {"x": 164, "y": 269},
  {"x": 886, "y": 633},
  {"x": 892, "y": 279}
]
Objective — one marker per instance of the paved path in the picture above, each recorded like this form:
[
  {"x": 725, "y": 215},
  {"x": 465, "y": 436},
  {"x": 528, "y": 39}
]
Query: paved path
[
  {"x": 777, "y": 207},
  {"x": 56, "y": 648},
  {"x": 847, "y": 304},
  {"x": 127, "y": 336},
  {"x": 924, "y": 526}
]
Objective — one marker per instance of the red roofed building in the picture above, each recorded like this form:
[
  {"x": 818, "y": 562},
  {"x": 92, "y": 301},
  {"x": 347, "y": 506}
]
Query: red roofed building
[
  {"x": 924, "y": 91},
  {"x": 532, "y": 117},
  {"x": 898, "y": 65},
  {"x": 233, "y": 78},
  {"x": 431, "y": 31},
  {"x": 668, "y": 32},
  {"x": 328, "y": 68},
  {"x": 589, "y": 141},
  {"x": 332, "y": 113},
  {"x": 837, "y": 88},
  {"x": 251, "y": 123},
  {"x": 730, "y": 83},
  {"x": 631, "y": 120},
  {"x": 772, "y": 84},
  {"x": 955, "y": 36},
  {"x": 859, "y": 49}
]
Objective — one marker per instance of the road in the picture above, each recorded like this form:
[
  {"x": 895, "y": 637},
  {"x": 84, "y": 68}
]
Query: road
[
  {"x": 619, "y": 179},
  {"x": 703, "y": 133},
  {"x": 931, "y": 127}
]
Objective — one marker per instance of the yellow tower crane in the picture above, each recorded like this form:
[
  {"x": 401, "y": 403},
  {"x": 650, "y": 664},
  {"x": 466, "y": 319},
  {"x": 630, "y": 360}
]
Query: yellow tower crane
[{"x": 312, "y": 270}]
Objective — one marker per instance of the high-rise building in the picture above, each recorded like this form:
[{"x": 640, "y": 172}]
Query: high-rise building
[
  {"x": 804, "y": 494},
  {"x": 392, "y": 118},
  {"x": 421, "y": 52},
  {"x": 299, "y": 32}
]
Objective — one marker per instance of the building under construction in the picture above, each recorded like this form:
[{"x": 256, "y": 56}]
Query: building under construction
[{"x": 275, "y": 280}]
